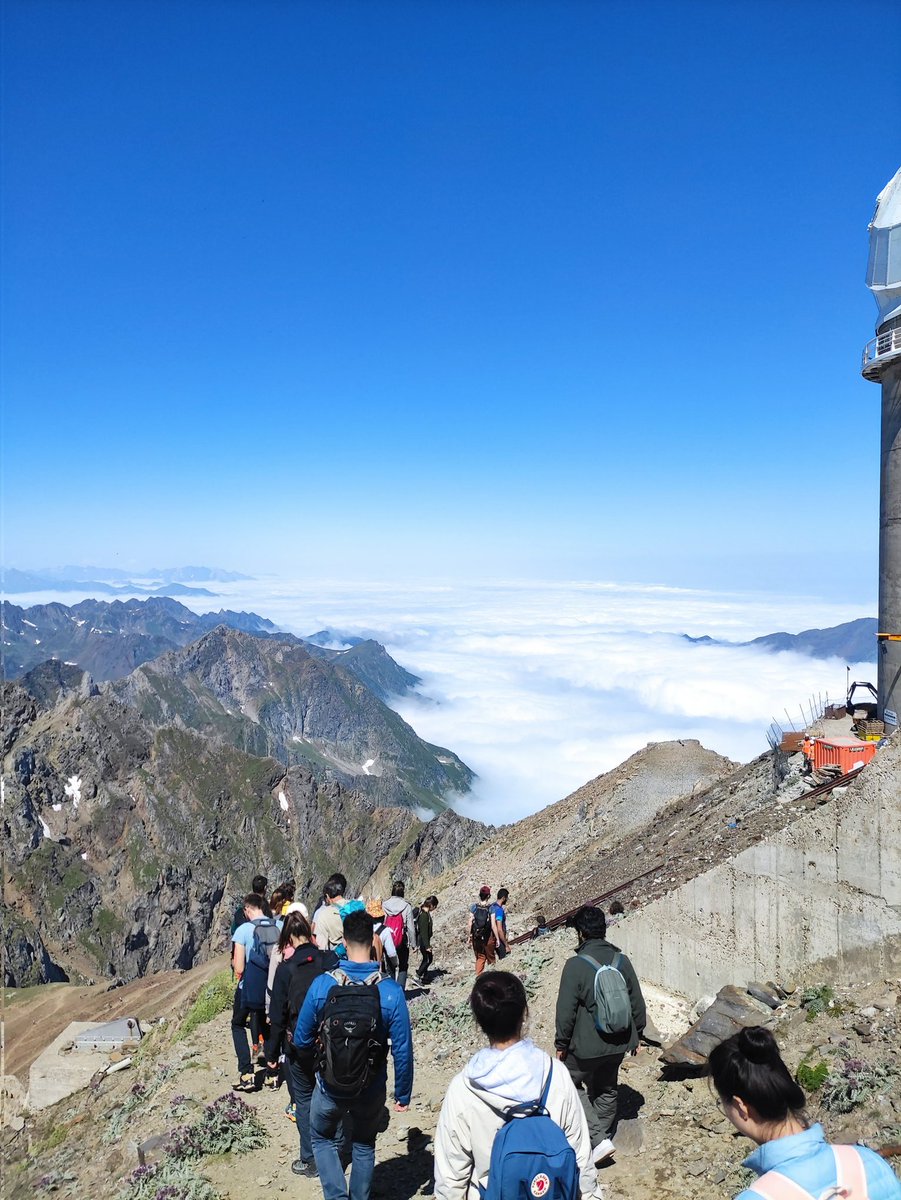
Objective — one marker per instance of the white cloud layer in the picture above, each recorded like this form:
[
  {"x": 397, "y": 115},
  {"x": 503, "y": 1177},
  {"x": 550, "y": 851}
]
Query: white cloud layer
[{"x": 540, "y": 687}]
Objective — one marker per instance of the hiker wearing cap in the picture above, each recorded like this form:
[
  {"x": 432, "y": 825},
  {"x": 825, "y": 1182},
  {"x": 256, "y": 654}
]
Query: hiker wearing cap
[{"x": 480, "y": 931}]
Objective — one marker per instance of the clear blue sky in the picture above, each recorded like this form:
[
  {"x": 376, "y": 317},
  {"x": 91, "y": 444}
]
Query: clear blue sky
[{"x": 568, "y": 289}]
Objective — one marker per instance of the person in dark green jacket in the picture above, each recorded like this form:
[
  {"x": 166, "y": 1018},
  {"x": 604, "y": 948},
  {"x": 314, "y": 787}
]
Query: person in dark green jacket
[
  {"x": 594, "y": 1058},
  {"x": 424, "y": 936}
]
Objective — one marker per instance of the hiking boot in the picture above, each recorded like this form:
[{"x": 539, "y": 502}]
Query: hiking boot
[
  {"x": 247, "y": 1083},
  {"x": 306, "y": 1169},
  {"x": 291, "y": 1113},
  {"x": 602, "y": 1151}
]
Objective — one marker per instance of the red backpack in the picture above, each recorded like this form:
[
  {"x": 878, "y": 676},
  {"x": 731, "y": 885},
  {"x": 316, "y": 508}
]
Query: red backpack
[{"x": 397, "y": 926}]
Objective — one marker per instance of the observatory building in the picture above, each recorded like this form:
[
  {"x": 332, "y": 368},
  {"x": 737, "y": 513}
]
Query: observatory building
[{"x": 882, "y": 364}]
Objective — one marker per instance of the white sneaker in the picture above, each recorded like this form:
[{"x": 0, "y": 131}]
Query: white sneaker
[{"x": 602, "y": 1150}]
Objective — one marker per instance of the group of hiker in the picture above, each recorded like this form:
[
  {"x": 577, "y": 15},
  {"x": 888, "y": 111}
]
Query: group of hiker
[{"x": 516, "y": 1121}]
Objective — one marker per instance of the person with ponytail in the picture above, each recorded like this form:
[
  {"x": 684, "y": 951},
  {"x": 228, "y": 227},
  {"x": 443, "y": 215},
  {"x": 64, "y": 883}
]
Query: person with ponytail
[{"x": 793, "y": 1159}]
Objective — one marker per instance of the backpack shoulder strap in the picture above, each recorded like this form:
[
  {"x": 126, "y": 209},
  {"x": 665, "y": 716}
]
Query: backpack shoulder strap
[
  {"x": 340, "y": 977},
  {"x": 542, "y": 1099},
  {"x": 776, "y": 1186},
  {"x": 375, "y": 977},
  {"x": 851, "y": 1175},
  {"x": 587, "y": 958}
]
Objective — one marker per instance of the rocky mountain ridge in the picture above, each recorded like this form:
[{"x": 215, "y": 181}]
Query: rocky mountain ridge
[{"x": 136, "y": 811}]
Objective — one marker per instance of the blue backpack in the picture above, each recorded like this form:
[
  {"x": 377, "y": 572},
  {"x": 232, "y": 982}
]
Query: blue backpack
[{"x": 530, "y": 1157}]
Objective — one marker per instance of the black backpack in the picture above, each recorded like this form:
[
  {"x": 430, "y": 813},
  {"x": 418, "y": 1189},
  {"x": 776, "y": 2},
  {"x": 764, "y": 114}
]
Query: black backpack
[
  {"x": 353, "y": 1041},
  {"x": 305, "y": 964},
  {"x": 481, "y": 925}
]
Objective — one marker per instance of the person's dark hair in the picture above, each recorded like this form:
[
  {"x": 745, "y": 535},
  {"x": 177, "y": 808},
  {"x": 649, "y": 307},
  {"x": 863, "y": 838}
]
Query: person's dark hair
[
  {"x": 358, "y": 928},
  {"x": 485, "y": 892},
  {"x": 255, "y": 900},
  {"x": 397, "y": 888},
  {"x": 287, "y": 890},
  {"x": 502, "y": 894},
  {"x": 430, "y": 902},
  {"x": 335, "y": 887},
  {"x": 276, "y": 900},
  {"x": 616, "y": 908},
  {"x": 588, "y": 922},
  {"x": 498, "y": 1003},
  {"x": 296, "y": 925},
  {"x": 259, "y": 885},
  {"x": 749, "y": 1065}
]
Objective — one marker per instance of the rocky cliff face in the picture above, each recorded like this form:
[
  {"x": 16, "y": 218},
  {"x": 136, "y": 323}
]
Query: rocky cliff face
[
  {"x": 275, "y": 698},
  {"x": 136, "y": 813}
]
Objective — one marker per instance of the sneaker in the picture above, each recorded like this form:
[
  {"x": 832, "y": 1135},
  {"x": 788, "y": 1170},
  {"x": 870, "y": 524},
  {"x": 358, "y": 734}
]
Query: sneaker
[
  {"x": 602, "y": 1150},
  {"x": 247, "y": 1083},
  {"x": 306, "y": 1169},
  {"x": 290, "y": 1113}
]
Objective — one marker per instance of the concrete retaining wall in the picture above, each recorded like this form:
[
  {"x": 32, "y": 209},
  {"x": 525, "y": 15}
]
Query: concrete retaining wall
[{"x": 825, "y": 891}]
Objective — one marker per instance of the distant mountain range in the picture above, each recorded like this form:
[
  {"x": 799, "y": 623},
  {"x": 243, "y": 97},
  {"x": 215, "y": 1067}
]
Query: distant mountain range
[
  {"x": 112, "y": 581},
  {"x": 854, "y": 641},
  {"x": 111, "y": 638}
]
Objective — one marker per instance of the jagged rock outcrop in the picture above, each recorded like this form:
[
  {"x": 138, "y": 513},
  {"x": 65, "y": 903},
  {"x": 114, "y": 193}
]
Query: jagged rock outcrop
[
  {"x": 135, "y": 815},
  {"x": 270, "y": 697}
]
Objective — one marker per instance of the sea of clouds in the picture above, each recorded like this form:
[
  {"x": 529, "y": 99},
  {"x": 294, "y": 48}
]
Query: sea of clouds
[{"x": 541, "y": 686}]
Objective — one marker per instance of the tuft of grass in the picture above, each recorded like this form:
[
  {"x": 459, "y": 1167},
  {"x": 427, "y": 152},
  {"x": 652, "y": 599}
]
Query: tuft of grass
[
  {"x": 811, "y": 1078},
  {"x": 216, "y": 995}
]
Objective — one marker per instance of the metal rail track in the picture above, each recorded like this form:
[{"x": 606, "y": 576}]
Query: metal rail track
[{"x": 822, "y": 789}]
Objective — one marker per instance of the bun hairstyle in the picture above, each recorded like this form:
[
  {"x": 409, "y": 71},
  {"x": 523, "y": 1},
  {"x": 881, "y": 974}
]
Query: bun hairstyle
[
  {"x": 749, "y": 1065},
  {"x": 498, "y": 1003},
  {"x": 296, "y": 925}
]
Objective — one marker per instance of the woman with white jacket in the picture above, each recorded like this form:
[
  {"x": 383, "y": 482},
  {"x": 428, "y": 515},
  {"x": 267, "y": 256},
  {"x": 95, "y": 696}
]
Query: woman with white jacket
[{"x": 511, "y": 1070}]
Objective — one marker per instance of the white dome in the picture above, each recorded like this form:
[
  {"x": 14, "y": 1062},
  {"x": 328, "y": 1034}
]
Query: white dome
[{"x": 884, "y": 267}]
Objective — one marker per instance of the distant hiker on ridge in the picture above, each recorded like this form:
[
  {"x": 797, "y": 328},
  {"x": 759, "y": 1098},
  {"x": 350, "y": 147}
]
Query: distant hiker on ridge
[
  {"x": 499, "y": 922},
  {"x": 424, "y": 936},
  {"x": 328, "y": 929},
  {"x": 480, "y": 932},
  {"x": 399, "y": 919},
  {"x": 600, "y": 1017}
]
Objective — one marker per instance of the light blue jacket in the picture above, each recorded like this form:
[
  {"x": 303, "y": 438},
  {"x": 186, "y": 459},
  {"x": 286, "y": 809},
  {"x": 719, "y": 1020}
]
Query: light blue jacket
[
  {"x": 394, "y": 1014},
  {"x": 805, "y": 1158}
]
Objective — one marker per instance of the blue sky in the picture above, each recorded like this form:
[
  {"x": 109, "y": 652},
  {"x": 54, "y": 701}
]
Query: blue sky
[{"x": 553, "y": 290}]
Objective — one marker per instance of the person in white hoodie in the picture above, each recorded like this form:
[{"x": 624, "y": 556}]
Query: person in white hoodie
[{"x": 511, "y": 1070}]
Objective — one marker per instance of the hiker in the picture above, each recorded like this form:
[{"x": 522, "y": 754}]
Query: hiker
[
  {"x": 511, "y": 1071},
  {"x": 424, "y": 936},
  {"x": 252, "y": 944},
  {"x": 258, "y": 886},
  {"x": 399, "y": 919},
  {"x": 387, "y": 955},
  {"x": 499, "y": 922},
  {"x": 328, "y": 929},
  {"x": 354, "y": 1011},
  {"x": 292, "y": 982},
  {"x": 762, "y": 1100},
  {"x": 281, "y": 953},
  {"x": 480, "y": 932},
  {"x": 600, "y": 1017}
]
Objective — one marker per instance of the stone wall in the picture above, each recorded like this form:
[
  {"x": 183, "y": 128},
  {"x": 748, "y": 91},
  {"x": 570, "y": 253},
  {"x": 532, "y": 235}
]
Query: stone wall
[{"x": 824, "y": 893}]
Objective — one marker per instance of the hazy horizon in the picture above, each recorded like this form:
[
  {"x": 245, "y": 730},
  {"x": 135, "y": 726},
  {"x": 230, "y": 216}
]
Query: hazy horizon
[{"x": 540, "y": 686}]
